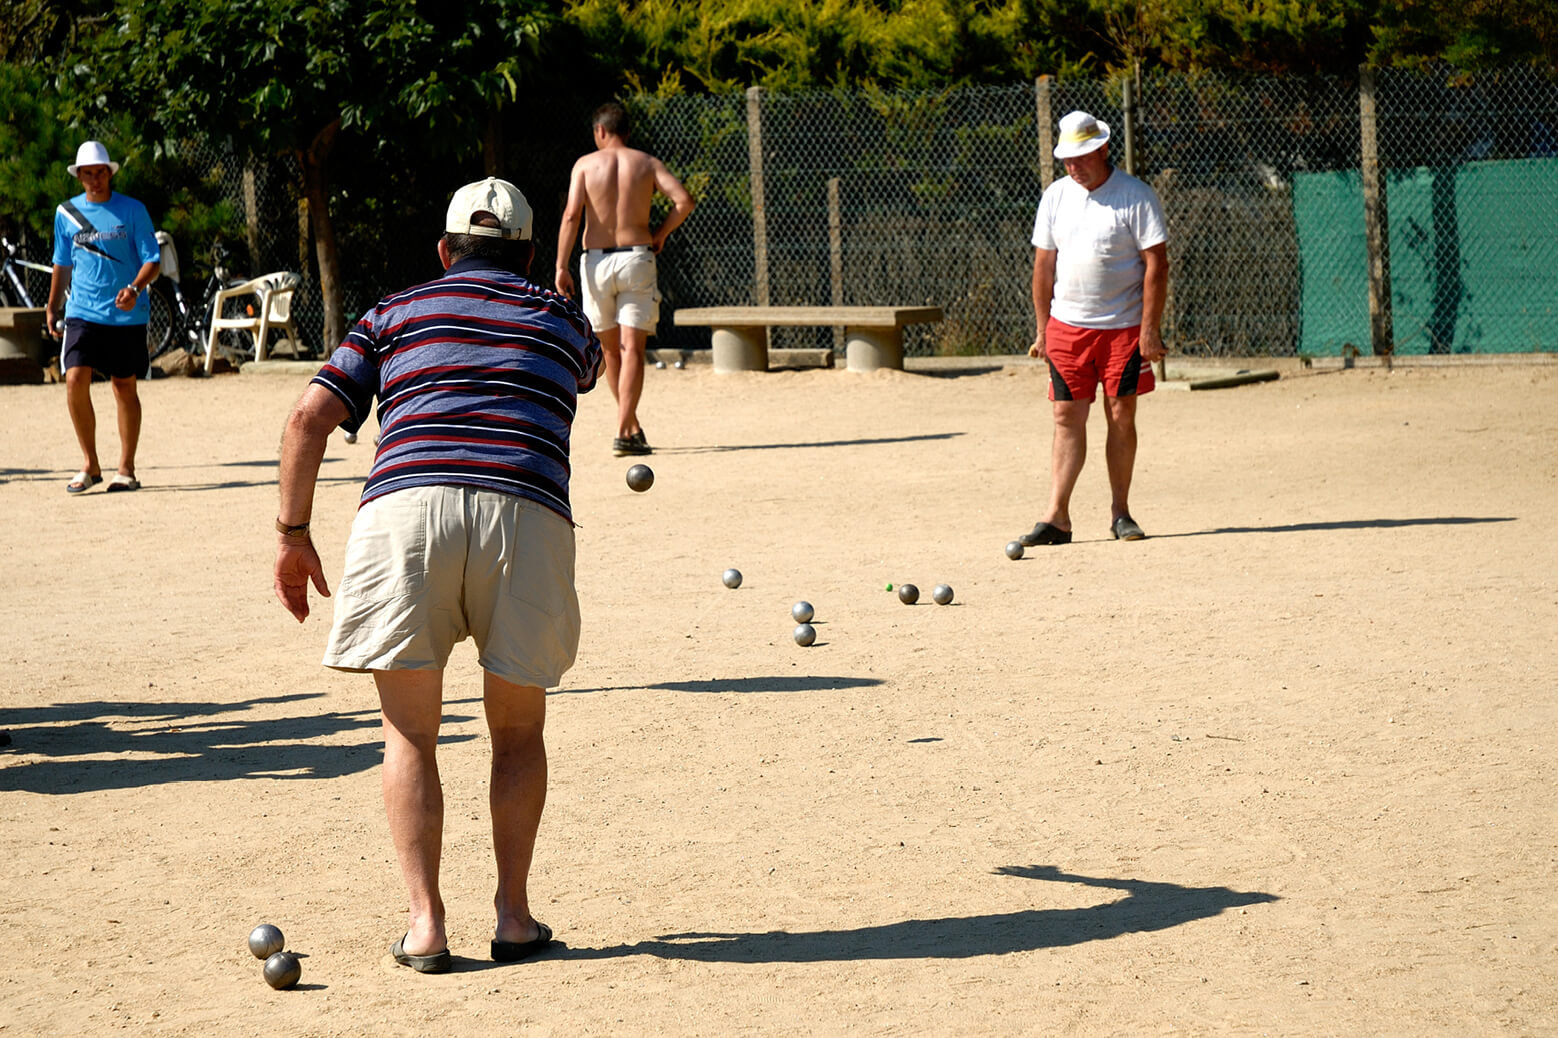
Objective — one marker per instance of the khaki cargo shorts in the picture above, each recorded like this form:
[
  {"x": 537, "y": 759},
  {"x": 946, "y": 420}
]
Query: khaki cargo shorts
[{"x": 426, "y": 567}]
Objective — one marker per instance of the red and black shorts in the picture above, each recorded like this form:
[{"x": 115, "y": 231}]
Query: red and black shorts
[{"x": 1081, "y": 358}]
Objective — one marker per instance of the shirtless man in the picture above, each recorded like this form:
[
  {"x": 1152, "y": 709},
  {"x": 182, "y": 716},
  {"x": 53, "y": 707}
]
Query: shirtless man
[{"x": 614, "y": 186}]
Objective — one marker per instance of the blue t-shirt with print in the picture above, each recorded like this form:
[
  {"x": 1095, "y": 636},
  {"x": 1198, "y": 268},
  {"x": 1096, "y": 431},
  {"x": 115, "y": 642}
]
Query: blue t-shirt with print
[{"x": 105, "y": 244}]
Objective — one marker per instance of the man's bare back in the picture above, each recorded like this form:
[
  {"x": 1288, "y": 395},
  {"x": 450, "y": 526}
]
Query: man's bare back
[
  {"x": 618, "y": 184},
  {"x": 610, "y": 191}
]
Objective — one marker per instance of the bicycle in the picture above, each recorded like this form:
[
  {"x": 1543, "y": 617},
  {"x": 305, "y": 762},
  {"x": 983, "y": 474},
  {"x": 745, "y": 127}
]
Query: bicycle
[
  {"x": 13, "y": 285},
  {"x": 174, "y": 322}
]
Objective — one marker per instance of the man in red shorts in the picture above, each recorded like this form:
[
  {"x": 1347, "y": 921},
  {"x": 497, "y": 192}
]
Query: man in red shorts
[{"x": 1100, "y": 275}]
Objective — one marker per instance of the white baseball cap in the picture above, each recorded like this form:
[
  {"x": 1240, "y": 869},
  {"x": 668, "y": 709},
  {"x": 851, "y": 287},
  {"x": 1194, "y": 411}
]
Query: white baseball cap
[
  {"x": 1080, "y": 133},
  {"x": 92, "y": 153},
  {"x": 498, "y": 197}
]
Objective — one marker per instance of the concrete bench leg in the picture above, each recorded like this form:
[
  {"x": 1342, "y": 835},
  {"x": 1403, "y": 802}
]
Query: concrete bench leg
[
  {"x": 868, "y": 349},
  {"x": 740, "y": 349}
]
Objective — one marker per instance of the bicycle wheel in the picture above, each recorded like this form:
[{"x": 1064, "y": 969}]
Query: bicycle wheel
[{"x": 159, "y": 330}]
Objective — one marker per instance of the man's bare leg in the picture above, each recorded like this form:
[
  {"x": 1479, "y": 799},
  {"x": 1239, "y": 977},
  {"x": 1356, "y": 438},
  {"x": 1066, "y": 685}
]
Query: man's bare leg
[
  {"x": 1068, "y": 453},
  {"x": 516, "y": 715},
  {"x": 630, "y": 382},
  {"x": 412, "y": 701},
  {"x": 1120, "y": 452},
  {"x": 78, "y": 399},
  {"x": 129, "y": 403},
  {"x": 611, "y": 353}
]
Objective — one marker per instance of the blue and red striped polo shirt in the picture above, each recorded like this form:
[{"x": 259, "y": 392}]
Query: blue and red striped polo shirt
[{"x": 477, "y": 375}]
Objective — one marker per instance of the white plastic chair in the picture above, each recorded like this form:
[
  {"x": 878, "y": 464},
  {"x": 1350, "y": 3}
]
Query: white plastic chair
[{"x": 273, "y": 309}]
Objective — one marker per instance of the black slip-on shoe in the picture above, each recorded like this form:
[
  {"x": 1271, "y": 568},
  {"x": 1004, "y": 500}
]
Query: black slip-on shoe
[
  {"x": 1125, "y": 529},
  {"x": 1044, "y": 533}
]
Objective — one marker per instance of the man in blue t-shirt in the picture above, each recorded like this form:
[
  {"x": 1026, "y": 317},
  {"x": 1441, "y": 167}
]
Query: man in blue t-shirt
[{"x": 105, "y": 254}]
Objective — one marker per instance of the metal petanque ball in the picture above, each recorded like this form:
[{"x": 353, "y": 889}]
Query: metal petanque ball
[
  {"x": 908, "y": 594},
  {"x": 732, "y": 578},
  {"x": 1014, "y": 550},
  {"x": 679, "y": 365},
  {"x": 282, "y": 970},
  {"x": 659, "y": 365},
  {"x": 941, "y": 594},
  {"x": 266, "y": 940},
  {"x": 805, "y": 634},
  {"x": 802, "y": 612},
  {"x": 641, "y": 478}
]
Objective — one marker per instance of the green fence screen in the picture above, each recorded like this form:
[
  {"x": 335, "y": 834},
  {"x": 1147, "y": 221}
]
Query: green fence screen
[{"x": 1466, "y": 258}]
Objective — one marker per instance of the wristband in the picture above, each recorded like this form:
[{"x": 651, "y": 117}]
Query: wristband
[{"x": 299, "y": 532}]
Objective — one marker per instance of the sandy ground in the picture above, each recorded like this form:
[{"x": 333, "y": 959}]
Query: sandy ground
[{"x": 1286, "y": 767}]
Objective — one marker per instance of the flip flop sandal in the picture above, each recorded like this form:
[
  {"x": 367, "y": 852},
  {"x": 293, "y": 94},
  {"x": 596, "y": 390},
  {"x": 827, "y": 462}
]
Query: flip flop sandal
[
  {"x": 83, "y": 482},
  {"x": 121, "y": 483},
  {"x": 513, "y": 951},
  {"x": 438, "y": 962}
]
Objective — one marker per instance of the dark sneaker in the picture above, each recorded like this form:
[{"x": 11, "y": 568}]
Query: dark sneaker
[
  {"x": 1044, "y": 533},
  {"x": 634, "y": 446},
  {"x": 1125, "y": 529}
]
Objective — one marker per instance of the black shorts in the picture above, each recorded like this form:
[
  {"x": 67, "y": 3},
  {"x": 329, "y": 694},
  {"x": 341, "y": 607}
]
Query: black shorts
[{"x": 116, "y": 350}]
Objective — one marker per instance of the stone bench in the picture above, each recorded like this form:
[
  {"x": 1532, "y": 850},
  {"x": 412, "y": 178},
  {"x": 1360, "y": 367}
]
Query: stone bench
[
  {"x": 21, "y": 345},
  {"x": 873, "y": 335}
]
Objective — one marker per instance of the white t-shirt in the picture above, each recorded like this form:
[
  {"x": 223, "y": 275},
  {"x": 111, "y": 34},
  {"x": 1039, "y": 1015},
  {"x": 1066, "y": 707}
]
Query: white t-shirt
[{"x": 1098, "y": 237}]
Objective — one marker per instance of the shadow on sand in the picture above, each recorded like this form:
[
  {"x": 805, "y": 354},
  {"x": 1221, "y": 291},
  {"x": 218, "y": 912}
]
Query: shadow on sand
[
  {"x": 94, "y": 746},
  {"x": 763, "y": 684},
  {"x": 1346, "y": 524},
  {"x": 1146, "y": 907},
  {"x": 803, "y": 445}
]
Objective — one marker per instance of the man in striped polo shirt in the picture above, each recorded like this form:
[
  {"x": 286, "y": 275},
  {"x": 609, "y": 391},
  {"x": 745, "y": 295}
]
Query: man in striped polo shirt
[{"x": 464, "y": 529}]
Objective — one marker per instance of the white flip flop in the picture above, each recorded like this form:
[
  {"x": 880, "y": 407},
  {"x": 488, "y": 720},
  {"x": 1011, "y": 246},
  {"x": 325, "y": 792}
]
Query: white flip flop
[{"x": 82, "y": 482}]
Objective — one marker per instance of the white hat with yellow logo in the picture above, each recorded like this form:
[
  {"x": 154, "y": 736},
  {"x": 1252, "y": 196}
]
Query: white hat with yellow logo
[{"x": 1080, "y": 133}]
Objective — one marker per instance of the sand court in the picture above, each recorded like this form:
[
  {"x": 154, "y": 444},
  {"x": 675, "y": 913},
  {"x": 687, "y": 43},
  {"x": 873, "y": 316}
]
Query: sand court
[{"x": 1286, "y": 766}]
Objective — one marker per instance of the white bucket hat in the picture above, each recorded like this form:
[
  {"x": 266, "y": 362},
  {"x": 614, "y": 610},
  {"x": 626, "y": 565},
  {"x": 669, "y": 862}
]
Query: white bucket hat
[
  {"x": 498, "y": 197},
  {"x": 92, "y": 153},
  {"x": 1080, "y": 133}
]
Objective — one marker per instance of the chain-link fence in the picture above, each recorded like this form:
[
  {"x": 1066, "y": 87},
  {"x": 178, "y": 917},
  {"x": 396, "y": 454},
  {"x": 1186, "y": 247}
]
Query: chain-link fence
[
  {"x": 928, "y": 198},
  {"x": 910, "y": 198}
]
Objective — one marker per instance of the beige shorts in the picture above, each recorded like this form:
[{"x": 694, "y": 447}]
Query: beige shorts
[
  {"x": 426, "y": 567},
  {"x": 620, "y": 288}
]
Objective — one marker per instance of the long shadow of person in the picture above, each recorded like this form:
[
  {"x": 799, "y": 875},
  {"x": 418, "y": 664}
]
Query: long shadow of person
[
  {"x": 1147, "y": 906},
  {"x": 125, "y": 744}
]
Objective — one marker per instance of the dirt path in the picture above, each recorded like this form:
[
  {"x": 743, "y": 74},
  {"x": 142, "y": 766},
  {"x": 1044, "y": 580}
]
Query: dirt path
[{"x": 1285, "y": 767}]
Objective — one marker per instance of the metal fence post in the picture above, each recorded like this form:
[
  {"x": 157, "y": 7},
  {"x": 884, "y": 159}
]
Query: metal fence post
[
  {"x": 1376, "y": 218},
  {"x": 836, "y": 254},
  {"x": 759, "y": 208},
  {"x": 1041, "y": 102}
]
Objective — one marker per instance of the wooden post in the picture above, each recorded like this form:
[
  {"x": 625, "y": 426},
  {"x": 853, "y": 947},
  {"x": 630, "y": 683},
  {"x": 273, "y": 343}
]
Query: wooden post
[
  {"x": 836, "y": 255},
  {"x": 251, "y": 212},
  {"x": 1046, "y": 121},
  {"x": 759, "y": 208},
  {"x": 1376, "y": 218}
]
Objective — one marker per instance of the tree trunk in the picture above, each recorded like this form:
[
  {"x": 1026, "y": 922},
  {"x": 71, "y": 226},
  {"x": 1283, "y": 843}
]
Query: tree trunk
[
  {"x": 492, "y": 144},
  {"x": 316, "y": 188}
]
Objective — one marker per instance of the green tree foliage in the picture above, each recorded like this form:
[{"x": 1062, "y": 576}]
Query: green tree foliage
[
  {"x": 722, "y": 45},
  {"x": 1473, "y": 34},
  {"x": 34, "y": 149},
  {"x": 671, "y": 46},
  {"x": 299, "y": 76}
]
